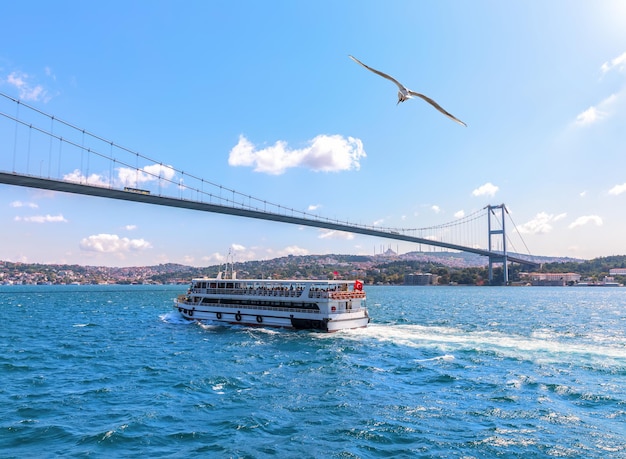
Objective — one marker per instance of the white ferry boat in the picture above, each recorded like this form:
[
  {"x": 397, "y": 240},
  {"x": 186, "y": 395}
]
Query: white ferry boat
[{"x": 299, "y": 304}]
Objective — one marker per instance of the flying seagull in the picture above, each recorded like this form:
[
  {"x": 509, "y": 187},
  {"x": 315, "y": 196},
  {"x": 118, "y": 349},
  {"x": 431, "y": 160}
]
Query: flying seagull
[{"x": 405, "y": 93}]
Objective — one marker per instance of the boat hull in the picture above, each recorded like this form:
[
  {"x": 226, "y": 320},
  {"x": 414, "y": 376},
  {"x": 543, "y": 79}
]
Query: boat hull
[
  {"x": 295, "y": 319},
  {"x": 322, "y": 305}
]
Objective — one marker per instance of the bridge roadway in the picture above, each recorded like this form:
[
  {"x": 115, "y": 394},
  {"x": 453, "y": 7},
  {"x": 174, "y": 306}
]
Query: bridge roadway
[{"x": 113, "y": 193}]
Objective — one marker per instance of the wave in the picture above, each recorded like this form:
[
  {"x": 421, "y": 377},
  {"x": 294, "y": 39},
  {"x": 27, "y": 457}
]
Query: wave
[{"x": 445, "y": 358}]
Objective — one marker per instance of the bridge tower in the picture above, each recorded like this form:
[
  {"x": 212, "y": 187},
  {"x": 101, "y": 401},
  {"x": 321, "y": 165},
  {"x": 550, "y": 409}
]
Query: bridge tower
[{"x": 491, "y": 210}]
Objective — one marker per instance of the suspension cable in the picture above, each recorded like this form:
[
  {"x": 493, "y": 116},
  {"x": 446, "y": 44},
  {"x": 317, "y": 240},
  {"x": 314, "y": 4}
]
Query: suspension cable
[
  {"x": 252, "y": 202},
  {"x": 517, "y": 231}
]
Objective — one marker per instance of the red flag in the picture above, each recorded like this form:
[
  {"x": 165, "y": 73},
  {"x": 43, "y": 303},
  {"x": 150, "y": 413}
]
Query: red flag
[
  {"x": 335, "y": 273},
  {"x": 358, "y": 285}
]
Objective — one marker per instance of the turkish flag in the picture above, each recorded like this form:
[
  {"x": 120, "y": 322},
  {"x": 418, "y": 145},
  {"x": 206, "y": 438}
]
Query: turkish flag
[{"x": 358, "y": 285}]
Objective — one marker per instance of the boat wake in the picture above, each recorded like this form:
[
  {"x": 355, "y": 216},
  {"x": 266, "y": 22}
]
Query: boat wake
[
  {"x": 450, "y": 341},
  {"x": 174, "y": 317}
]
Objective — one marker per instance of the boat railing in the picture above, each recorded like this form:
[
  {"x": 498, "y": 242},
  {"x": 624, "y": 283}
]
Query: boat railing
[
  {"x": 335, "y": 295},
  {"x": 346, "y": 295},
  {"x": 286, "y": 293},
  {"x": 356, "y": 308},
  {"x": 183, "y": 300},
  {"x": 267, "y": 308}
]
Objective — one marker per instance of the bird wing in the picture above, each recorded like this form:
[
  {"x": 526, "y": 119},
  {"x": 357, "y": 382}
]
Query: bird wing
[
  {"x": 437, "y": 106},
  {"x": 378, "y": 72}
]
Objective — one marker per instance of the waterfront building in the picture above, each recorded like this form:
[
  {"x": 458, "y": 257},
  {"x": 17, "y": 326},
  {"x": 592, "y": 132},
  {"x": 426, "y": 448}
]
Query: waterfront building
[
  {"x": 418, "y": 279},
  {"x": 554, "y": 279}
]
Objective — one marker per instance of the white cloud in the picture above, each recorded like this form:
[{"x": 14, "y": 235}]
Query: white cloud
[
  {"x": 435, "y": 209},
  {"x": 333, "y": 234},
  {"x": 112, "y": 243},
  {"x": 325, "y": 153},
  {"x": 289, "y": 250},
  {"x": 560, "y": 217},
  {"x": 42, "y": 219},
  {"x": 151, "y": 173},
  {"x": 294, "y": 250},
  {"x": 236, "y": 253},
  {"x": 314, "y": 207},
  {"x": 188, "y": 260},
  {"x": 618, "y": 189},
  {"x": 126, "y": 176},
  {"x": 582, "y": 194},
  {"x": 32, "y": 205},
  {"x": 581, "y": 221},
  {"x": 488, "y": 189},
  {"x": 78, "y": 177},
  {"x": 27, "y": 90},
  {"x": 605, "y": 108},
  {"x": 159, "y": 170},
  {"x": 130, "y": 227},
  {"x": 618, "y": 62},
  {"x": 590, "y": 116},
  {"x": 541, "y": 224},
  {"x": 215, "y": 257},
  {"x": 244, "y": 254},
  {"x": 459, "y": 214},
  {"x": 597, "y": 113}
]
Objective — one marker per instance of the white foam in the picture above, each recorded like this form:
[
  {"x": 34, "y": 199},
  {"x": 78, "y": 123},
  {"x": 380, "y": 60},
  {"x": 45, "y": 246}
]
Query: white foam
[
  {"x": 218, "y": 388},
  {"x": 173, "y": 317},
  {"x": 208, "y": 325},
  {"x": 540, "y": 346},
  {"x": 445, "y": 358},
  {"x": 262, "y": 330}
]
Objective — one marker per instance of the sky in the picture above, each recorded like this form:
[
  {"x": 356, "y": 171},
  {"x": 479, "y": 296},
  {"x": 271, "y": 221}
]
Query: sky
[{"x": 262, "y": 98}]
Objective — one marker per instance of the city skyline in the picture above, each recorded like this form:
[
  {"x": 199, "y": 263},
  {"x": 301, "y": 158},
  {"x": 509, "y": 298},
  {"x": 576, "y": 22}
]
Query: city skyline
[{"x": 266, "y": 101}]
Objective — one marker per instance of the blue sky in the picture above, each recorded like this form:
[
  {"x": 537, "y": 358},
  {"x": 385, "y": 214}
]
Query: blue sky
[{"x": 262, "y": 98}]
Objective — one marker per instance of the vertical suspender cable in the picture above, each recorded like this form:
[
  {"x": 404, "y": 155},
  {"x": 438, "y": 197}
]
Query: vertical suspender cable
[
  {"x": 17, "y": 116},
  {"x": 30, "y": 132},
  {"x": 60, "y": 150},
  {"x": 111, "y": 163},
  {"x": 82, "y": 152},
  {"x": 50, "y": 151}
]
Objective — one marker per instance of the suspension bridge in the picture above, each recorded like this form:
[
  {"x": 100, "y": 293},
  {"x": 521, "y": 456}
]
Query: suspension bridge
[{"x": 41, "y": 151}]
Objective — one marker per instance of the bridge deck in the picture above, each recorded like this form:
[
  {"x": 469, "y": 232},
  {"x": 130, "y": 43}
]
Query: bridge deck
[{"x": 113, "y": 193}]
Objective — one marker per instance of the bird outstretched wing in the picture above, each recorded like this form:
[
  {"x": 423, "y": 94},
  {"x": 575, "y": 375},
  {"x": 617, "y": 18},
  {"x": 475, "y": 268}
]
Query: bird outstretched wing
[
  {"x": 405, "y": 92},
  {"x": 437, "y": 106},
  {"x": 378, "y": 72}
]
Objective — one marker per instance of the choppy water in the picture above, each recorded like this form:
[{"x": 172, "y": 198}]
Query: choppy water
[{"x": 441, "y": 372}]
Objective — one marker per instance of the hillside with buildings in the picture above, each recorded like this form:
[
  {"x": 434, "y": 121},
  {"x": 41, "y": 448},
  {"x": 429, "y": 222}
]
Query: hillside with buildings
[{"x": 415, "y": 268}]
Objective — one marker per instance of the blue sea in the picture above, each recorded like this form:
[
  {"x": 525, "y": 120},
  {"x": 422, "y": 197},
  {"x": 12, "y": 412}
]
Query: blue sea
[{"x": 441, "y": 372}]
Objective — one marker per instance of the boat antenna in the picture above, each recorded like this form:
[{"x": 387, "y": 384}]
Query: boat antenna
[{"x": 231, "y": 256}]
